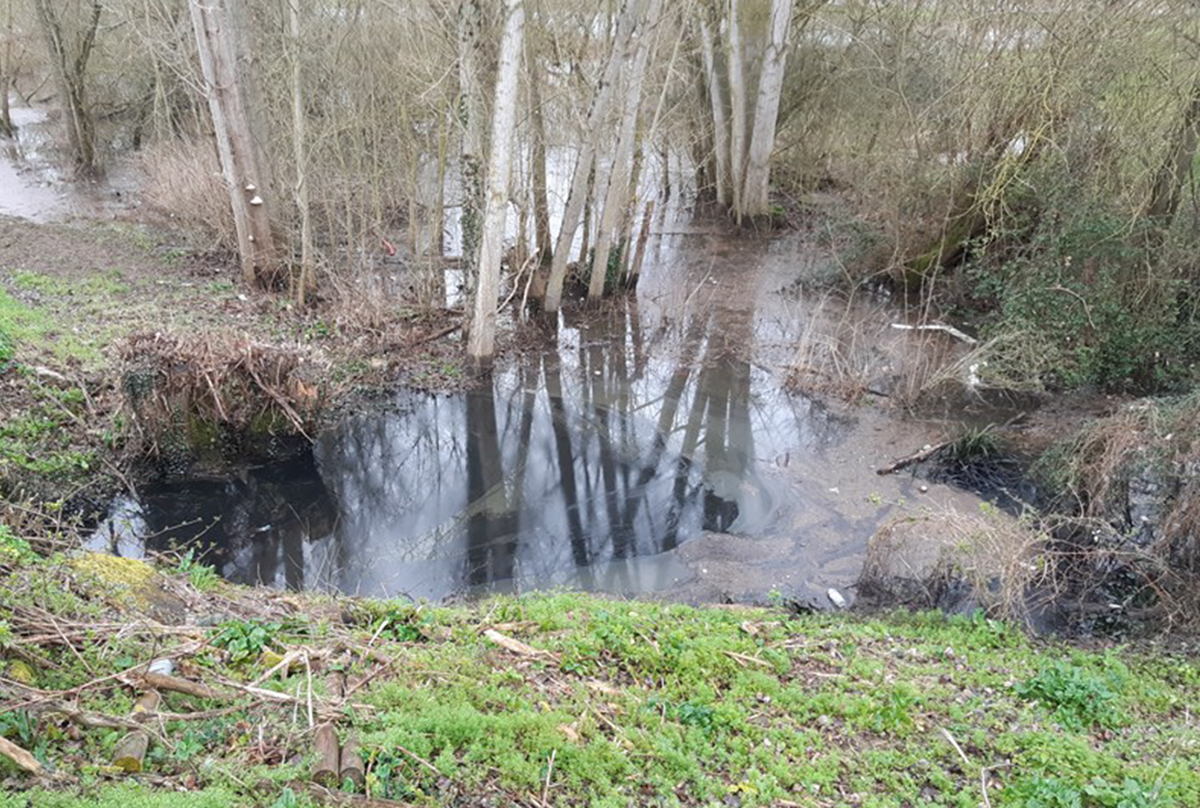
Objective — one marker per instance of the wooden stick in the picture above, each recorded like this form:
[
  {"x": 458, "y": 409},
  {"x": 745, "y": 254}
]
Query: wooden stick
[
  {"x": 19, "y": 756},
  {"x": 915, "y": 457},
  {"x": 549, "y": 774},
  {"x": 352, "y": 763},
  {"x": 515, "y": 646},
  {"x": 160, "y": 681},
  {"x": 325, "y": 768},
  {"x": 131, "y": 750}
]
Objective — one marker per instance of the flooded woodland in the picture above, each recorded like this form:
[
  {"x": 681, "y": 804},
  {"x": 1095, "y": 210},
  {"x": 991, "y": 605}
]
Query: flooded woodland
[
  {"x": 615, "y": 403},
  {"x": 709, "y": 302}
]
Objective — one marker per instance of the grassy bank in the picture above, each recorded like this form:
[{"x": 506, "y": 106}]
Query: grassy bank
[
  {"x": 567, "y": 699},
  {"x": 112, "y": 336}
]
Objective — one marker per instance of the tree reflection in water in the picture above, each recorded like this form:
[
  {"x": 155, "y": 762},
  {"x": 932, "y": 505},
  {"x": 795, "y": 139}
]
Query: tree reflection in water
[{"x": 576, "y": 468}]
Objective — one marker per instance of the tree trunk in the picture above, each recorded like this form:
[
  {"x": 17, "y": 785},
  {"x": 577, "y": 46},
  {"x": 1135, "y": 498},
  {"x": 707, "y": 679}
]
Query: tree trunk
[
  {"x": 1176, "y": 167},
  {"x": 754, "y": 202},
  {"x": 481, "y": 342},
  {"x": 635, "y": 268},
  {"x": 6, "y": 77},
  {"x": 307, "y": 281},
  {"x": 235, "y": 141},
  {"x": 584, "y": 164},
  {"x": 737, "y": 104},
  {"x": 541, "y": 201},
  {"x": 617, "y": 192},
  {"x": 472, "y": 117},
  {"x": 69, "y": 65},
  {"x": 585, "y": 238},
  {"x": 719, "y": 120}
]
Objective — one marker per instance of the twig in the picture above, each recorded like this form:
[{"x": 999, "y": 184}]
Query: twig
[
  {"x": 744, "y": 660},
  {"x": 549, "y": 773},
  {"x": 915, "y": 457},
  {"x": 420, "y": 760},
  {"x": 308, "y": 679},
  {"x": 515, "y": 646},
  {"x": 957, "y": 748},
  {"x": 949, "y": 329}
]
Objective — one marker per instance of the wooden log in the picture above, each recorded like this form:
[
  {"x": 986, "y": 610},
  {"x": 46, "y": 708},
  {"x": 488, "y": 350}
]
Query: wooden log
[
  {"x": 130, "y": 753},
  {"x": 24, "y": 760},
  {"x": 325, "y": 766},
  {"x": 352, "y": 768},
  {"x": 160, "y": 681}
]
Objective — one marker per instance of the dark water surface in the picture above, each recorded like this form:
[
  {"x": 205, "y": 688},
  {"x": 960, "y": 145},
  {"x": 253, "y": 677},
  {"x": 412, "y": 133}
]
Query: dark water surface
[{"x": 655, "y": 422}]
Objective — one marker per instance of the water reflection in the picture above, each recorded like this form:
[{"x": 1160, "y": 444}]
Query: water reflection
[
  {"x": 556, "y": 472},
  {"x": 584, "y": 466}
]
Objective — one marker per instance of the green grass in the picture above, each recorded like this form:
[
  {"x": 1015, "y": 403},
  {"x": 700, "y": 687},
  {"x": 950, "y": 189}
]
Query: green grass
[
  {"x": 34, "y": 332},
  {"x": 655, "y": 704},
  {"x": 39, "y": 440}
]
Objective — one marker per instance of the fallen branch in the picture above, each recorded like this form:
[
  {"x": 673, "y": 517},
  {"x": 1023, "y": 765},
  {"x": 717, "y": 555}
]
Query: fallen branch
[
  {"x": 515, "y": 646},
  {"x": 949, "y": 329},
  {"x": 160, "y": 681},
  {"x": 326, "y": 757},
  {"x": 130, "y": 752},
  {"x": 915, "y": 457},
  {"x": 19, "y": 756}
]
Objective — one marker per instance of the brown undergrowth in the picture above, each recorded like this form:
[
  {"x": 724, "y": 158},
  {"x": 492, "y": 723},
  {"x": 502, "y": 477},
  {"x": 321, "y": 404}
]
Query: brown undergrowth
[{"x": 206, "y": 382}]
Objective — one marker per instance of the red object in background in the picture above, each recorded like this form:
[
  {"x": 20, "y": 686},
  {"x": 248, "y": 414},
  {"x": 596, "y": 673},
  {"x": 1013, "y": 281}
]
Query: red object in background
[{"x": 387, "y": 245}]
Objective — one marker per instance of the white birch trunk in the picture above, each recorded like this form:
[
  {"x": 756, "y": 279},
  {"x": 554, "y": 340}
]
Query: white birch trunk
[
  {"x": 578, "y": 193},
  {"x": 719, "y": 119},
  {"x": 235, "y": 141},
  {"x": 766, "y": 112},
  {"x": 617, "y": 192},
  {"x": 482, "y": 339},
  {"x": 737, "y": 106}
]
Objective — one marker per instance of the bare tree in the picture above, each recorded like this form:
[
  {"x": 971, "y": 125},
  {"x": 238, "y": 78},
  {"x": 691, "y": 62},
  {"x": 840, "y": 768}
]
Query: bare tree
[
  {"x": 578, "y": 193},
  {"x": 482, "y": 338},
  {"x": 766, "y": 111},
  {"x": 69, "y": 53},
  {"x": 236, "y": 143},
  {"x": 720, "y": 120},
  {"x": 1176, "y": 167},
  {"x": 744, "y": 143},
  {"x": 306, "y": 282},
  {"x": 617, "y": 193},
  {"x": 537, "y": 119}
]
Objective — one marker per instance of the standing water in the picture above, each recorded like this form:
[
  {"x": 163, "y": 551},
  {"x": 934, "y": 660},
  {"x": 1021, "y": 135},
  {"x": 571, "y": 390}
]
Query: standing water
[{"x": 652, "y": 450}]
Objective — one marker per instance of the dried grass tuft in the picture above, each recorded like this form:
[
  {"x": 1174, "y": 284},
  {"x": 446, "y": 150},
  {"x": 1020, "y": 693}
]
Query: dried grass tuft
[
  {"x": 947, "y": 558},
  {"x": 184, "y": 188}
]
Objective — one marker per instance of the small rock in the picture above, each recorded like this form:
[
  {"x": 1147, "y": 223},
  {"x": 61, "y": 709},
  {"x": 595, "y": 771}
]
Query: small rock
[
  {"x": 164, "y": 667},
  {"x": 835, "y": 597}
]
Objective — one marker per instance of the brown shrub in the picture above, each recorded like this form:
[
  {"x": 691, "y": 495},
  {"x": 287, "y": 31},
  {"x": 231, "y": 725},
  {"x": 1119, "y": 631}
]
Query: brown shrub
[
  {"x": 184, "y": 189},
  {"x": 172, "y": 383}
]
